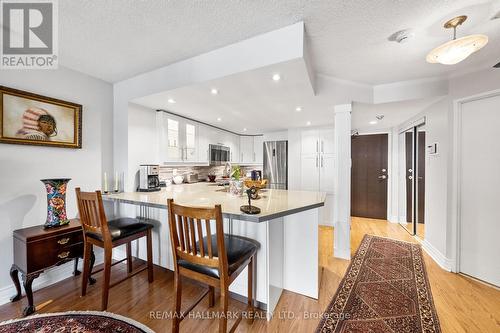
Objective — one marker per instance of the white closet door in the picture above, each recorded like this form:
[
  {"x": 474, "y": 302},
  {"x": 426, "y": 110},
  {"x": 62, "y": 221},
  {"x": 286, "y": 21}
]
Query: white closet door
[{"x": 480, "y": 190}]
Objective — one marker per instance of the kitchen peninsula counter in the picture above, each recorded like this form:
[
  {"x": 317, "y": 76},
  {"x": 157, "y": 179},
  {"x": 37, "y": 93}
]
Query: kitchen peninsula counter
[
  {"x": 286, "y": 229},
  {"x": 273, "y": 203}
]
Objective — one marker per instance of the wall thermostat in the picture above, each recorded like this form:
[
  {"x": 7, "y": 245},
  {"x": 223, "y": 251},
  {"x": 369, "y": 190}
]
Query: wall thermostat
[{"x": 432, "y": 148}]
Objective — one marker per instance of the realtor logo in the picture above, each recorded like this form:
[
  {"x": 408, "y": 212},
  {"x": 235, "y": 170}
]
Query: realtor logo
[{"x": 29, "y": 34}]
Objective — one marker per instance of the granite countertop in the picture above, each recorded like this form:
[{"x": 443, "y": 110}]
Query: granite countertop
[{"x": 273, "y": 203}]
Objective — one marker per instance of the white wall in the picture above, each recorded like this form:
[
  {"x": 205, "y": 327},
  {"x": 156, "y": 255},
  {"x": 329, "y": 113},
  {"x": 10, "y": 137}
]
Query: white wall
[
  {"x": 461, "y": 87},
  {"x": 22, "y": 195},
  {"x": 142, "y": 141},
  {"x": 440, "y": 233}
]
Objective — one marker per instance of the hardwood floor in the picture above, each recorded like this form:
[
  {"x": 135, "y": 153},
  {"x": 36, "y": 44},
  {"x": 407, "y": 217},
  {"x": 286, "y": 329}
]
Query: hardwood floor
[{"x": 463, "y": 305}]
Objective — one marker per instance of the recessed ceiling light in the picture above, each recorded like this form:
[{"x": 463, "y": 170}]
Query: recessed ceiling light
[
  {"x": 214, "y": 91},
  {"x": 276, "y": 77},
  {"x": 219, "y": 119},
  {"x": 308, "y": 123},
  {"x": 171, "y": 101},
  {"x": 373, "y": 122},
  {"x": 298, "y": 109},
  {"x": 244, "y": 130}
]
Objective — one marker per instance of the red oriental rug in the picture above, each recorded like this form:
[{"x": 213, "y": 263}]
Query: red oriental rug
[
  {"x": 385, "y": 289},
  {"x": 74, "y": 321}
]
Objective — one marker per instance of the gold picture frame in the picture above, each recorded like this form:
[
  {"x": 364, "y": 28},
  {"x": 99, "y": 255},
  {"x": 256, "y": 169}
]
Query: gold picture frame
[{"x": 30, "y": 119}]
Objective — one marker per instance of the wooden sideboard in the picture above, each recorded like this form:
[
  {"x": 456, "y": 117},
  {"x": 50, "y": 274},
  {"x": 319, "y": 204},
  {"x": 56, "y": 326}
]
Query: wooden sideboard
[{"x": 36, "y": 249}]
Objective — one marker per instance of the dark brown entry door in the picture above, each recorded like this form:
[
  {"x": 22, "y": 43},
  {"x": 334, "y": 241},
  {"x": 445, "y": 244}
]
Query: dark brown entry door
[{"x": 369, "y": 176}]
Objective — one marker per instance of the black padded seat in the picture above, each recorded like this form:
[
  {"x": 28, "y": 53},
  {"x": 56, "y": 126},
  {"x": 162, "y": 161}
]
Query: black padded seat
[
  {"x": 123, "y": 227},
  {"x": 238, "y": 250}
]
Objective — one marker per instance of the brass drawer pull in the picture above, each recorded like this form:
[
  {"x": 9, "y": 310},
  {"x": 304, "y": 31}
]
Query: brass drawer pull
[
  {"x": 63, "y": 255},
  {"x": 63, "y": 241}
]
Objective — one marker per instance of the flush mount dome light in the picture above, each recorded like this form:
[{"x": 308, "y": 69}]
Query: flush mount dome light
[{"x": 456, "y": 50}]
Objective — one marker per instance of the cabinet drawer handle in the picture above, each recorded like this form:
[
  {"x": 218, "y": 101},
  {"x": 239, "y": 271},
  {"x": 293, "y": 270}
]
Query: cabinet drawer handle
[
  {"x": 63, "y": 255},
  {"x": 63, "y": 241}
]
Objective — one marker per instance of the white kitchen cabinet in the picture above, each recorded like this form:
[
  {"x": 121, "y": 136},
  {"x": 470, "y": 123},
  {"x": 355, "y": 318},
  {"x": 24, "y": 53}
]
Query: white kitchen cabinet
[
  {"x": 310, "y": 142},
  {"x": 326, "y": 172},
  {"x": 317, "y": 160},
  {"x": 258, "y": 149},
  {"x": 326, "y": 144},
  {"x": 189, "y": 148},
  {"x": 204, "y": 141},
  {"x": 251, "y": 149},
  {"x": 309, "y": 172},
  {"x": 246, "y": 150},
  {"x": 178, "y": 139}
]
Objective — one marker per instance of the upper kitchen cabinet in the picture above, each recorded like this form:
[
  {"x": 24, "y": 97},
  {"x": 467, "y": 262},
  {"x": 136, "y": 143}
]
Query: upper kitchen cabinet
[
  {"x": 258, "y": 149},
  {"x": 251, "y": 149},
  {"x": 205, "y": 135},
  {"x": 246, "y": 149},
  {"x": 178, "y": 139}
]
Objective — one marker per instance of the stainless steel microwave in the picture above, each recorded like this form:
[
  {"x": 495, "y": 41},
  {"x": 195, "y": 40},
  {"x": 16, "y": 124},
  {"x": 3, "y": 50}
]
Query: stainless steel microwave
[{"x": 219, "y": 155}]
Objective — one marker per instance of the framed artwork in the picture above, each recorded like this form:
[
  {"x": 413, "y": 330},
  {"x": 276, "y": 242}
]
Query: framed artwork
[{"x": 30, "y": 119}]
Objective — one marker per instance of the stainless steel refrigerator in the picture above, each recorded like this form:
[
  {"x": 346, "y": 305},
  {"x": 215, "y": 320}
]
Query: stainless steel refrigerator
[{"x": 276, "y": 164}]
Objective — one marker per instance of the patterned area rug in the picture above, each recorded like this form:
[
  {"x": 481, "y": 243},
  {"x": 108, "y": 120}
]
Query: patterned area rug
[
  {"x": 385, "y": 289},
  {"x": 74, "y": 322}
]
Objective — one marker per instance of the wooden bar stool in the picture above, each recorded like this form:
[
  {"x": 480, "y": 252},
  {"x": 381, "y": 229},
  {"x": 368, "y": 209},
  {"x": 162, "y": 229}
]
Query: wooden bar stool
[
  {"x": 214, "y": 259},
  {"x": 97, "y": 230}
]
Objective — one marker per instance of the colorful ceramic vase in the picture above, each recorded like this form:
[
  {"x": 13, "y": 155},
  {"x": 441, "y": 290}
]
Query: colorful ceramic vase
[{"x": 56, "y": 202}]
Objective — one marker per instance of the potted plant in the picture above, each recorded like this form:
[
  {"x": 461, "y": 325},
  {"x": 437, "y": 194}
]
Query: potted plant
[{"x": 236, "y": 184}]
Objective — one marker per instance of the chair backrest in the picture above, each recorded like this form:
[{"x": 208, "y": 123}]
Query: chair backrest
[
  {"x": 92, "y": 215},
  {"x": 189, "y": 225}
]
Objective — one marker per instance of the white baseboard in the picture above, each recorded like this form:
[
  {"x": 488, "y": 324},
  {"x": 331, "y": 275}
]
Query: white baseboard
[
  {"x": 437, "y": 256},
  {"x": 327, "y": 223},
  {"x": 342, "y": 253},
  {"x": 45, "y": 279},
  {"x": 393, "y": 219}
]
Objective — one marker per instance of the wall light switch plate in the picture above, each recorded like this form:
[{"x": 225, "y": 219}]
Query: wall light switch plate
[{"x": 432, "y": 148}]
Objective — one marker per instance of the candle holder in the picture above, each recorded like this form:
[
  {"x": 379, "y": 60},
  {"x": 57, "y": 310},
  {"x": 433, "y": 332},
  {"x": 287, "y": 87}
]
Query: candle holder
[
  {"x": 118, "y": 182},
  {"x": 105, "y": 188}
]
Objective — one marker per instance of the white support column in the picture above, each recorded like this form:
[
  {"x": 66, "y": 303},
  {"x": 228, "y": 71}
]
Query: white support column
[{"x": 342, "y": 198}]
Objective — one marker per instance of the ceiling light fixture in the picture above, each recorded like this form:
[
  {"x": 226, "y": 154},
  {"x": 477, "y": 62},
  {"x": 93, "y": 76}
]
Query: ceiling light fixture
[
  {"x": 244, "y": 130},
  {"x": 214, "y": 91},
  {"x": 308, "y": 123},
  {"x": 276, "y": 77},
  {"x": 373, "y": 122},
  {"x": 298, "y": 109},
  {"x": 171, "y": 101},
  {"x": 456, "y": 50},
  {"x": 219, "y": 119}
]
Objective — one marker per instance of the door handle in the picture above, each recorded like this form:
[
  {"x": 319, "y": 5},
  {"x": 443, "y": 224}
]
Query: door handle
[
  {"x": 317, "y": 146},
  {"x": 322, "y": 146},
  {"x": 382, "y": 177},
  {"x": 317, "y": 158},
  {"x": 321, "y": 161}
]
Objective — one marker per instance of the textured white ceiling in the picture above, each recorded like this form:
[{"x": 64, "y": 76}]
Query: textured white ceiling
[
  {"x": 117, "y": 39},
  {"x": 394, "y": 113}
]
